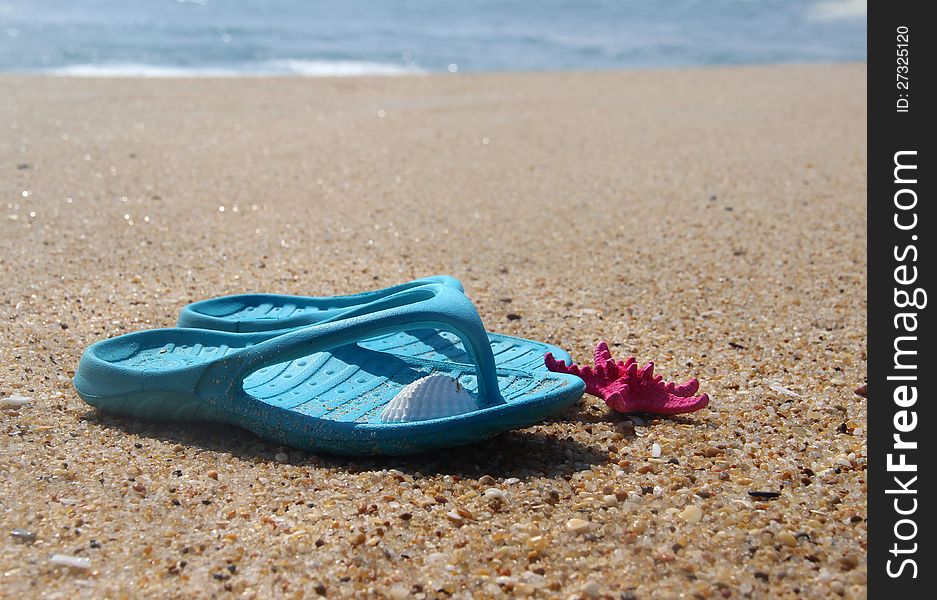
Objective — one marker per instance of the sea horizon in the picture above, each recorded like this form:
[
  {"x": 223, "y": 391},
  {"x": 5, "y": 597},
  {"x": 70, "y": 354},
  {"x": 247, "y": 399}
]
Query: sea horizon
[{"x": 234, "y": 38}]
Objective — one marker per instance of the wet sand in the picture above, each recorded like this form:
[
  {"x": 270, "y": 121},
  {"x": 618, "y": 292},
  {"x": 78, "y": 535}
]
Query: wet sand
[{"x": 710, "y": 220}]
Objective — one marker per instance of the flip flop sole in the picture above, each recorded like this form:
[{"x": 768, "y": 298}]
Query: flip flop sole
[
  {"x": 323, "y": 402},
  {"x": 319, "y": 387}
]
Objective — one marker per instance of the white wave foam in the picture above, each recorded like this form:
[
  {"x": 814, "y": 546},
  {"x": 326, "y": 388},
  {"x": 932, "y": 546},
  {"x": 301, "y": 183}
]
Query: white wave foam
[
  {"x": 271, "y": 68},
  {"x": 134, "y": 70},
  {"x": 340, "y": 68},
  {"x": 835, "y": 10}
]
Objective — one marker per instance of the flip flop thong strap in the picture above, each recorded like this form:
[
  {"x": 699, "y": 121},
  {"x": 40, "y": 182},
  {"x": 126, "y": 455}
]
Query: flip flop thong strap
[{"x": 431, "y": 306}]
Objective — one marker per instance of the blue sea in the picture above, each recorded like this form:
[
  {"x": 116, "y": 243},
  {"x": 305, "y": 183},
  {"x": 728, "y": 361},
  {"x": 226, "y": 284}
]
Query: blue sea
[{"x": 371, "y": 37}]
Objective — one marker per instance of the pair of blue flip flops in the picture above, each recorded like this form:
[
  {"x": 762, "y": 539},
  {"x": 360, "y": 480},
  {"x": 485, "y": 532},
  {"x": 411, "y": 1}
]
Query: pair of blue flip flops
[{"x": 324, "y": 373}]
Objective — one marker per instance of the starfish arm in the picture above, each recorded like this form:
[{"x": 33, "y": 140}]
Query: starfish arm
[
  {"x": 603, "y": 355},
  {"x": 559, "y": 366},
  {"x": 677, "y": 405},
  {"x": 619, "y": 400},
  {"x": 686, "y": 390}
]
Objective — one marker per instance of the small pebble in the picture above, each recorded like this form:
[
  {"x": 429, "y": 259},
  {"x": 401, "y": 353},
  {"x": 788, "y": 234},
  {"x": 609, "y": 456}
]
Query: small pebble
[
  {"x": 495, "y": 493},
  {"x": 787, "y": 538},
  {"x": 849, "y": 562},
  {"x": 23, "y": 535},
  {"x": 538, "y": 543},
  {"x": 655, "y": 451},
  {"x": 591, "y": 590},
  {"x": 767, "y": 495},
  {"x": 691, "y": 514},
  {"x": 577, "y": 525}
]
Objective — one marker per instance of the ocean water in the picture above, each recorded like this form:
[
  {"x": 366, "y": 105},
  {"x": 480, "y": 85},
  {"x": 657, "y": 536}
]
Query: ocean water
[{"x": 359, "y": 37}]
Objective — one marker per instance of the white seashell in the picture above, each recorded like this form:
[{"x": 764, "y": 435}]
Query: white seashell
[{"x": 431, "y": 397}]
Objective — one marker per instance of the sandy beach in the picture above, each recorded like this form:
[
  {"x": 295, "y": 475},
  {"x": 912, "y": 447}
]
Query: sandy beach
[{"x": 710, "y": 220}]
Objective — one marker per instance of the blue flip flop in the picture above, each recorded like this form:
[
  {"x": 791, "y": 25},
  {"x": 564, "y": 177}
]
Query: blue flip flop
[
  {"x": 315, "y": 388},
  {"x": 270, "y": 312}
]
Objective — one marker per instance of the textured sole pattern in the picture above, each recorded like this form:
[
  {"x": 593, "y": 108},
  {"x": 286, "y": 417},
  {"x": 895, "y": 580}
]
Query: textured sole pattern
[
  {"x": 269, "y": 311},
  {"x": 510, "y": 353},
  {"x": 354, "y": 384}
]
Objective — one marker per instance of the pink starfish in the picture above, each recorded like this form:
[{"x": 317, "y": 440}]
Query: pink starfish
[{"x": 627, "y": 389}]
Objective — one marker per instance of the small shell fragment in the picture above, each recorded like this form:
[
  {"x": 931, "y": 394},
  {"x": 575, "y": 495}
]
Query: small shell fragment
[
  {"x": 73, "y": 562},
  {"x": 14, "y": 401},
  {"x": 780, "y": 389}
]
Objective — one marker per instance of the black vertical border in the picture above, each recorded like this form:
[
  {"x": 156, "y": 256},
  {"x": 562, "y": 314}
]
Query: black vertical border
[{"x": 889, "y": 132}]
